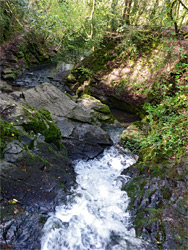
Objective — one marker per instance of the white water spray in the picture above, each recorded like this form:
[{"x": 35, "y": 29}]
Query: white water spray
[{"x": 95, "y": 216}]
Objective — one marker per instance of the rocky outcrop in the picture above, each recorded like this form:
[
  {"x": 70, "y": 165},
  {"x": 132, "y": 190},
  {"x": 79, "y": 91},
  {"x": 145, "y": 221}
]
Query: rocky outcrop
[
  {"x": 31, "y": 186},
  {"x": 19, "y": 52},
  {"x": 158, "y": 202},
  {"x": 79, "y": 122},
  {"x": 82, "y": 140},
  {"x": 42, "y": 130},
  {"x": 87, "y": 109}
]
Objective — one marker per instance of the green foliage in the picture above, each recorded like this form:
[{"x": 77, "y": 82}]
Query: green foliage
[
  {"x": 169, "y": 126},
  {"x": 85, "y": 71},
  {"x": 76, "y": 26},
  {"x": 8, "y": 133},
  {"x": 11, "y": 14},
  {"x": 133, "y": 145},
  {"x": 168, "y": 120}
]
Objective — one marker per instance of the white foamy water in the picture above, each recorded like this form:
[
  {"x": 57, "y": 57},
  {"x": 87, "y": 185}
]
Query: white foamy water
[{"x": 95, "y": 215}]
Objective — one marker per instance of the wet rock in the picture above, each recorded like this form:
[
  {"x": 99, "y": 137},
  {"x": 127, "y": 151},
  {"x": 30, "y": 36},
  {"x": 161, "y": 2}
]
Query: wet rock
[
  {"x": 49, "y": 97},
  {"x": 82, "y": 150},
  {"x": 159, "y": 204},
  {"x": 13, "y": 151},
  {"x": 30, "y": 190},
  {"x": 82, "y": 140}
]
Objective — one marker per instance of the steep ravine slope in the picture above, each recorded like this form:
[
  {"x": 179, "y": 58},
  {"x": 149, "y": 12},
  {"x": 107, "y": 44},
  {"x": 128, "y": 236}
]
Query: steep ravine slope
[{"x": 147, "y": 73}]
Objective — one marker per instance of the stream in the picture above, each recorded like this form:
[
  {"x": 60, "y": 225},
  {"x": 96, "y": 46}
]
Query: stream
[
  {"x": 48, "y": 73},
  {"x": 95, "y": 216}
]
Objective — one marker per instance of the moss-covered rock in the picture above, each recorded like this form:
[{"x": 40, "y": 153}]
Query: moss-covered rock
[
  {"x": 41, "y": 122},
  {"x": 159, "y": 203},
  {"x": 8, "y": 74},
  {"x": 131, "y": 137},
  {"x": 100, "y": 112}
]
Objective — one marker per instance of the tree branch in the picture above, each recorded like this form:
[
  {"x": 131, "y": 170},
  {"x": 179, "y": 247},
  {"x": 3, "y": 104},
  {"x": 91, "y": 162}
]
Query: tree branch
[{"x": 183, "y": 5}]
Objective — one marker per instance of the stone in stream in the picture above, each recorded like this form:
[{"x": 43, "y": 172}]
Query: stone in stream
[{"x": 81, "y": 139}]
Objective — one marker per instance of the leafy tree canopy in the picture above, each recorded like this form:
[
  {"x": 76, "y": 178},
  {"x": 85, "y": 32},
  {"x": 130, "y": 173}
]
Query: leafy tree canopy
[{"x": 73, "y": 25}]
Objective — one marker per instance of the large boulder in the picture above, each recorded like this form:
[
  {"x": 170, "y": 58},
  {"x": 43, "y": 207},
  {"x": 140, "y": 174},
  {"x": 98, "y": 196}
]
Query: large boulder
[
  {"x": 101, "y": 112},
  {"x": 76, "y": 121},
  {"x": 49, "y": 97},
  {"x": 87, "y": 109},
  {"x": 82, "y": 140},
  {"x": 131, "y": 136}
]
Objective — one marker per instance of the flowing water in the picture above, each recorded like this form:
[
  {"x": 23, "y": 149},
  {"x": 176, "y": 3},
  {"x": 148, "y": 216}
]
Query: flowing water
[
  {"x": 95, "y": 216},
  {"x": 49, "y": 73}
]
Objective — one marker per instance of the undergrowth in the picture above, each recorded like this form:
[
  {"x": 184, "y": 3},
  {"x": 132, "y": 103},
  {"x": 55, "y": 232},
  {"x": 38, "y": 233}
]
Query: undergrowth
[{"x": 168, "y": 120}]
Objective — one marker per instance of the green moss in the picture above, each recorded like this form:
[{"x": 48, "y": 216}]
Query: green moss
[
  {"x": 8, "y": 133},
  {"x": 70, "y": 96},
  {"x": 166, "y": 192},
  {"x": 71, "y": 78},
  {"x": 135, "y": 188},
  {"x": 41, "y": 122},
  {"x": 130, "y": 138},
  {"x": 104, "y": 109}
]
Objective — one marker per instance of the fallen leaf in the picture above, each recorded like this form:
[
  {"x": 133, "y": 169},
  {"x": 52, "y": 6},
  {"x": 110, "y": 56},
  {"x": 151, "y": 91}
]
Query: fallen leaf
[{"x": 14, "y": 201}]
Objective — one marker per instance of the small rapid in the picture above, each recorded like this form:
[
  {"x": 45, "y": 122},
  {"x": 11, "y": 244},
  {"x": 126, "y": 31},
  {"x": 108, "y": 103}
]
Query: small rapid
[{"x": 95, "y": 216}]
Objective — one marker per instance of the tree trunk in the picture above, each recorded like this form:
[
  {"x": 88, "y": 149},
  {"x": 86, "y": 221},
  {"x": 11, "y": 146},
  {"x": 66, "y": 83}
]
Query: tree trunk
[
  {"x": 170, "y": 13},
  {"x": 113, "y": 19},
  {"x": 92, "y": 14},
  {"x": 126, "y": 11}
]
